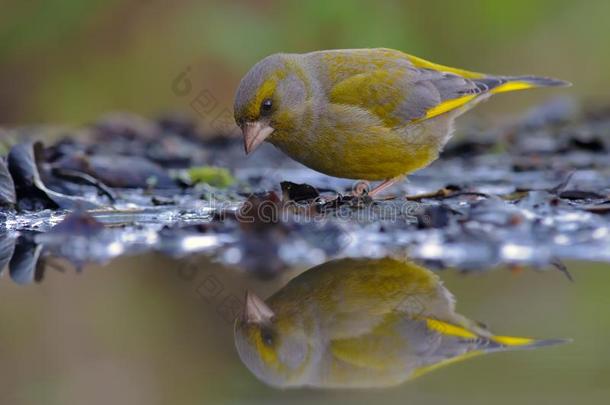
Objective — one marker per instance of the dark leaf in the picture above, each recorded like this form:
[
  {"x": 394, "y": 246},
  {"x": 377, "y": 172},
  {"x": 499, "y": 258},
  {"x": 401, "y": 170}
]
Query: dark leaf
[
  {"x": 580, "y": 195},
  {"x": 84, "y": 178},
  {"x": 298, "y": 192},
  {"x": 599, "y": 209},
  {"x": 260, "y": 212},
  {"x": 592, "y": 144},
  {"x": 8, "y": 196},
  {"x": 23, "y": 166},
  {"x": 119, "y": 171},
  {"x": 22, "y": 266},
  {"x": 468, "y": 148},
  {"x": 433, "y": 216},
  {"x": 7, "y": 247}
]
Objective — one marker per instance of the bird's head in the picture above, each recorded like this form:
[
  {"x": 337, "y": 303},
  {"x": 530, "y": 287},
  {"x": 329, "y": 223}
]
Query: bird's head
[
  {"x": 268, "y": 97},
  {"x": 275, "y": 349}
]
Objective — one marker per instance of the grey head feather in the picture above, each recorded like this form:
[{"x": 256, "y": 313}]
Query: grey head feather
[
  {"x": 290, "y": 92},
  {"x": 253, "y": 80}
]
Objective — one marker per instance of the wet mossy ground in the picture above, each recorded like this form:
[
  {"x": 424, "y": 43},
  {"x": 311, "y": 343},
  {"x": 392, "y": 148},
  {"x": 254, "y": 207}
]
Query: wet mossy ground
[{"x": 531, "y": 193}]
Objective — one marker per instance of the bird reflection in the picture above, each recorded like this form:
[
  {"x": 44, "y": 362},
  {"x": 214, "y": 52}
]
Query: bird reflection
[{"x": 361, "y": 323}]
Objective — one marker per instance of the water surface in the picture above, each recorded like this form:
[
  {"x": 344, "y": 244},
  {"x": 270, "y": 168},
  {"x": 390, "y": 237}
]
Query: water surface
[{"x": 153, "y": 330}]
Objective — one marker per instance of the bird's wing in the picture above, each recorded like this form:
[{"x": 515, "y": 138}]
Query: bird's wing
[
  {"x": 449, "y": 343},
  {"x": 401, "y": 95},
  {"x": 399, "y": 88},
  {"x": 400, "y": 343},
  {"x": 376, "y": 349}
]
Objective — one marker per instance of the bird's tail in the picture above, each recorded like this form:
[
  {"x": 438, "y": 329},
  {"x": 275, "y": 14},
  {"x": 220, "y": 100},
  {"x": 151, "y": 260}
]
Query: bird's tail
[
  {"x": 474, "y": 331},
  {"x": 478, "y": 341},
  {"x": 504, "y": 84},
  {"x": 501, "y": 343}
]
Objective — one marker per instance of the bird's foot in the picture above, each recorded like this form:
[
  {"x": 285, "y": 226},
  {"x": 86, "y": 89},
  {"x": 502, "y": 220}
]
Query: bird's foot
[
  {"x": 363, "y": 188},
  {"x": 384, "y": 185},
  {"x": 360, "y": 189}
]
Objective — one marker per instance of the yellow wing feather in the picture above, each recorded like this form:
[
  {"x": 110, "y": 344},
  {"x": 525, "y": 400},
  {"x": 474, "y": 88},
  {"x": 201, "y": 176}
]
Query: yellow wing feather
[
  {"x": 424, "y": 64},
  {"x": 448, "y": 105}
]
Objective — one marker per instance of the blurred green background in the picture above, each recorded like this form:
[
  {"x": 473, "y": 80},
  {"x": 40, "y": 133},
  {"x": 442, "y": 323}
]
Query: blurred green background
[{"x": 68, "y": 61}]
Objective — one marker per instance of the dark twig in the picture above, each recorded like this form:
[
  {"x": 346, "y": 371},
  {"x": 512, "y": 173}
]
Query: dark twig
[
  {"x": 558, "y": 264},
  {"x": 84, "y": 178}
]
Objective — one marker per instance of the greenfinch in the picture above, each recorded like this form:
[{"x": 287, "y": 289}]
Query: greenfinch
[
  {"x": 360, "y": 323},
  {"x": 367, "y": 114}
]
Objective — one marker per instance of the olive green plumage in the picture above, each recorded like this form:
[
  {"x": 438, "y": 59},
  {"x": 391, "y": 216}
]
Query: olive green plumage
[
  {"x": 356, "y": 323},
  {"x": 371, "y": 114}
]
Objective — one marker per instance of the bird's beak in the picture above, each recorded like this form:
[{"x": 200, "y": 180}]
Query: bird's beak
[
  {"x": 254, "y": 134},
  {"x": 256, "y": 311}
]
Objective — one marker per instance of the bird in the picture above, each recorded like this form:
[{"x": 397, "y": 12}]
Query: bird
[
  {"x": 361, "y": 323},
  {"x": 366, "y": 114}
]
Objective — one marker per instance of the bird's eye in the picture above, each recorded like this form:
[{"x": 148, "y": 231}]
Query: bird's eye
[
  {"x": 267, "y": 336},
  {"x": 266, "y": 105}
]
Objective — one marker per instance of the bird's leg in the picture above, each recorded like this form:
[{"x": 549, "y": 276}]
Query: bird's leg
[{"x": 384, "y": 185}]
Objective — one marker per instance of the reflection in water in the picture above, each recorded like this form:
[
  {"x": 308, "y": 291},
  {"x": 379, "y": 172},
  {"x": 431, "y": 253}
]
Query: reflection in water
[{"x": 360, "y": 323}]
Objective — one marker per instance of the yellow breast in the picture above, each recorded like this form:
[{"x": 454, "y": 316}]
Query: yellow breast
[{"x": 351, "y": 145}]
